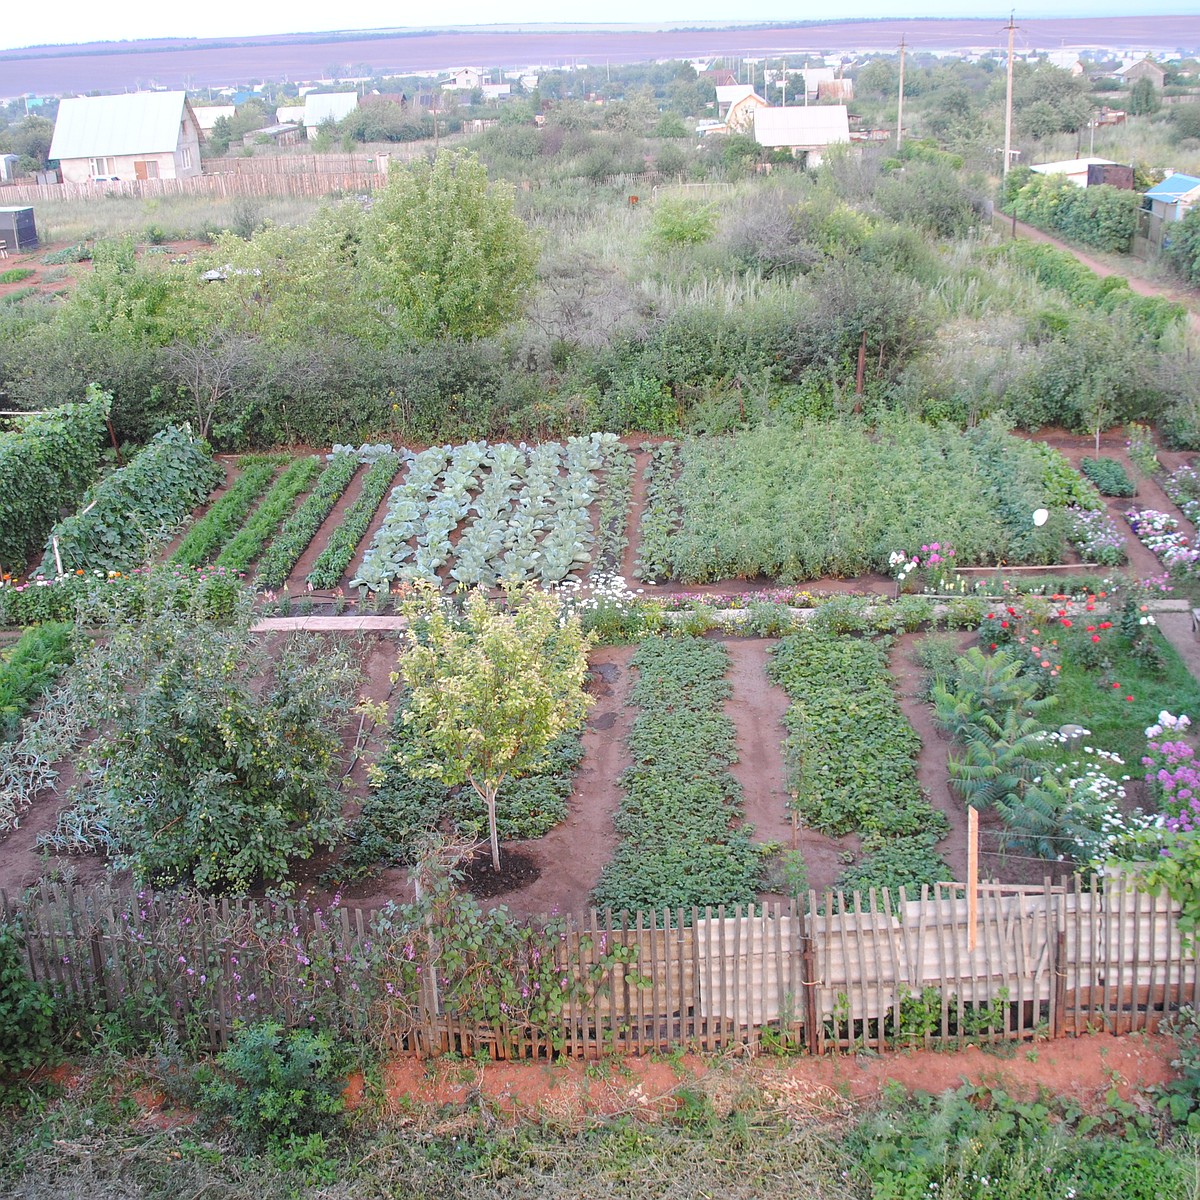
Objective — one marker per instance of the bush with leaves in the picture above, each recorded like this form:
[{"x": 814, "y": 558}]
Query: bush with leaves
[
  {"x": 27, "y": 1016},
  {"x": 199, "y": 776},
  {"x": 277, "y": 1086}
]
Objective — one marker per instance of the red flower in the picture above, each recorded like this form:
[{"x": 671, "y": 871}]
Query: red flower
[
  {"x": 1091, "y": 629},
  {"x": 1128, "y": 697},
  {"x": 1066, "y": 624},
  {"x": 1003, "y": 624},
  {"x": 992, "y": 646},
  {"x": 1095, "y": 637},
  {"x": 1116, "y": 685}
]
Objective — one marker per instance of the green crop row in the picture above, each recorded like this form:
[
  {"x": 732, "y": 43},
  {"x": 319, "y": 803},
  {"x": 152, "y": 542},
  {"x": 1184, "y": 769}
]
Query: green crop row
[
  {"x": 682, "y": 841},
  {"x": 851, "y": 753},
  {"x": 228, "y": 513},
  {"x": 129, "y": 512},
  {"x": 840, "y": 498},
  {"x": 1109, "y": 476},
  {"x": 269, "y": 515},
  {"x": 301, "y": 527},
  {"x": 331, "y": 565}
]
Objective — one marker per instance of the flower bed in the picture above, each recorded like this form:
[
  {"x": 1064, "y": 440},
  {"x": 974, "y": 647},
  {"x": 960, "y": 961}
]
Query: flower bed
[
  {"x": 1159, "y": 532},
  {"x": 1183, "y": 487}
]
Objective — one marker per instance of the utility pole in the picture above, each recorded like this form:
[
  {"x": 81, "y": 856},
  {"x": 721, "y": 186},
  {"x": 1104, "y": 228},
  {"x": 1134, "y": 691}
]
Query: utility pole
[
  {"x": 900, "y": 104},
  {"x": 782, "y": 83},
  {"x": 1008, "y": 99}
]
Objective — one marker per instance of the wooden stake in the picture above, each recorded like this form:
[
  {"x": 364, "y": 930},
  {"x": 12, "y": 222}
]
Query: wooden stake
[{"x": 972, "y": 877}]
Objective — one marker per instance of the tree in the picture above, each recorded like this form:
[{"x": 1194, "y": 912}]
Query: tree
[
  {"x": 446, "y": 251},
  {"x": 1048, "y": 100},
  {"x": 1143, "y": 98},
  {"x": 487, "y": 695}
]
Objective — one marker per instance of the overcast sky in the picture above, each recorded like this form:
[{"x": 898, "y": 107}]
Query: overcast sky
[{"x": 28, "y": 24}]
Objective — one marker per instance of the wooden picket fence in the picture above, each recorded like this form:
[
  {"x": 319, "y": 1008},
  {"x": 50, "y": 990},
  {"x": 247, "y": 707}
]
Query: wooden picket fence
[
  {"x": 229, "y": 184},
  {"x": 840, "y": 972}
]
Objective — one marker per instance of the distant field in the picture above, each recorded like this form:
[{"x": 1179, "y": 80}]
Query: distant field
[{"x": 199, "y": 64}]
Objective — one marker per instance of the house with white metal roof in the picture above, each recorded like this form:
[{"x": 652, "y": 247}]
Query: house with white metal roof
[
  {"x": 207, "y": 115},
  {"x": 143, "y": 135},
  {"x": 320, "y": 107},
  {"x": 807, "y": 130},
  {"x": 1075, "y": 169}
]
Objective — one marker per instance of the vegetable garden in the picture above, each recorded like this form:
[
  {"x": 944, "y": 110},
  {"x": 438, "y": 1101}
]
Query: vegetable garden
[{"x": 373, "y": 526}]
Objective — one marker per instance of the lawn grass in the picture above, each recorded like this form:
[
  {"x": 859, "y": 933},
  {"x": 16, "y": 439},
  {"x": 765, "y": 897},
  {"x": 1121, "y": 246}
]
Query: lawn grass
[{"x": 1087, "y": 698}]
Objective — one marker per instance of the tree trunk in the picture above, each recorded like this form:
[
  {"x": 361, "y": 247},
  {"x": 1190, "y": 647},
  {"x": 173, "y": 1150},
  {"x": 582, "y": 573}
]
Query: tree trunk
[{"x": 493, "y": 829}]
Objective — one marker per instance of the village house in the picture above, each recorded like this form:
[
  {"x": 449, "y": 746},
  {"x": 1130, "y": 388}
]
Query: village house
[
  {"x": 1166, "y": 203},
  {"x": 1147, "y": 68},
  {"x": 1075, "y": 169},
  {"x": 320, "y": 107},
  {"x": 144, "y": 135},
  {"x": 807, "y": 131}
]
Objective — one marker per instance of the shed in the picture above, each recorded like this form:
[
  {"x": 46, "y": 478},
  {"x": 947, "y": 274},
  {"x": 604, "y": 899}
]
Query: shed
[
  {"x": 8, "y": 167},
  {"x": 320, "y": 107},
  {"x": 1166, "y": 203},
  {"x": 17, "y": 229}
]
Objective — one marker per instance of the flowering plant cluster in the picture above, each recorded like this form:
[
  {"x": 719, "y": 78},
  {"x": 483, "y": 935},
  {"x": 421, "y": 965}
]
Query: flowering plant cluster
[
  {"x": 1096, "y": 536},
  {"x": 98, "y": 597},
  {"x": 1183, "y": 488},
  {"x": 933, "y": 562},
  {"x": 1172, "y": 773},
  {"x": 1159, "y": 532}
]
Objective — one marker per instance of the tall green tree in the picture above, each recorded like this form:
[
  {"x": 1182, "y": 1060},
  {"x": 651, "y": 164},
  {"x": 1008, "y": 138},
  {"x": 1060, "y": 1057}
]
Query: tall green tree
[
  {"x": 1143, "y": 98},
  {"x": 445, "y": 251},
  {"x": 488, "y": 694}
]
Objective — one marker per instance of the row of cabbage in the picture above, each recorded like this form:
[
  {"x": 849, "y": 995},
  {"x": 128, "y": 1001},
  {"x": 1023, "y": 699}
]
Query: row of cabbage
[{"x": 481, "y": 514}]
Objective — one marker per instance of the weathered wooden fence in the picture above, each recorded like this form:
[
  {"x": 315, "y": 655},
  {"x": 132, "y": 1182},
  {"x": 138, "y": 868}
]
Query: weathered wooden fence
[
  {"x": 280, "y": 183},
  {"x": 840, "y": 972}
]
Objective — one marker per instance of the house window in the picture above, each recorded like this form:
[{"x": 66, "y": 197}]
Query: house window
[
  {"x": 102, "y": 166},
  {"x": 185, "y": 158}
]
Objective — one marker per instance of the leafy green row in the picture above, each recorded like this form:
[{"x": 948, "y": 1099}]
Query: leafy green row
[
  {"x": 1108, "y": 475},
  {"x": 269, "y": 515},
  {"x": 28, "y": 669},
  {"x": 44, "y": 469},
  {"x": 226, "y": 515},
  {"x": 680, "y": 821},
  {"x": 1064, "y": 486},
  {"x": 301, "y": 527},
  {"x": 850, "y": 751},
  {"x": 331, "y": 565},
  {"x": 613, "y": 515},
  {"x": 126, "y": 514}
]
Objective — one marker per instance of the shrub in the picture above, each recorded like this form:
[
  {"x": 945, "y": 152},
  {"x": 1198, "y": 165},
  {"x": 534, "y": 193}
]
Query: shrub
[
  {"x": 45, "y": 467},
  {"x": 274, "y": 1086}
]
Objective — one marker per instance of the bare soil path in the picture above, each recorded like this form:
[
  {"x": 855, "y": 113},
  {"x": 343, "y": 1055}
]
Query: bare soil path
[{"x": 572, "y": 855}]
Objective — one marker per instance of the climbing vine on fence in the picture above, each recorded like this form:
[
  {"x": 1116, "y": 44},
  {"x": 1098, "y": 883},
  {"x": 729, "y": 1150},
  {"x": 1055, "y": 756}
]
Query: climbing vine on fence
[{"x": 44, "y": 468}]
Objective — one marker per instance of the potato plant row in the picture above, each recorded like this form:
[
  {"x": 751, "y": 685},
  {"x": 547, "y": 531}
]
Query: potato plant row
[
  {"x": 682, "y": 838},
  {"x": 851, "y": 753}
]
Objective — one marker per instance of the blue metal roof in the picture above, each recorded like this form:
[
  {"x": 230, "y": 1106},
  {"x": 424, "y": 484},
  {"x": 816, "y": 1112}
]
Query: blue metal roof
[{"x": 1173, "y": 188}]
